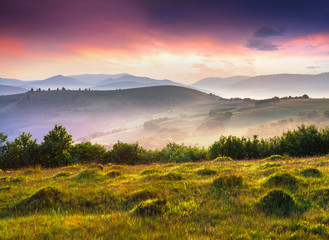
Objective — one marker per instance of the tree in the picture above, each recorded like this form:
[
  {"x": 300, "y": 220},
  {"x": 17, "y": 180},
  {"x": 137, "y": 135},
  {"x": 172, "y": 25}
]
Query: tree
[
  {"x": 88, "y": 152},
  {"x": 23, "y": 151},
  {"x": 55, "y": 148}
]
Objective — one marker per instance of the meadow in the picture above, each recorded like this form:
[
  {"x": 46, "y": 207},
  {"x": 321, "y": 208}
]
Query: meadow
[{"x": 274, "y": 198}]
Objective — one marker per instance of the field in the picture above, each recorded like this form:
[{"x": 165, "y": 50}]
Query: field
[{"x": 197, "y": 200}]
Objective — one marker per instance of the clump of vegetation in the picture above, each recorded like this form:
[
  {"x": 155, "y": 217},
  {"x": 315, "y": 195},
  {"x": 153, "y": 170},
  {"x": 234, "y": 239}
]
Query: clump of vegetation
[
  {"x": 206, "y": 172},
  {"x": 282, "y": 179},
  {"x": 113, "y": 173},
  {"x": 47, "y": 197},
  {"x": 321, "y": 196},
  {"x": 4, "y": 188},
  {"x": 311, "y": 172},
  {"x": 151, "y": 207},
  {"x": 227, "y": 181},
  {"x": 75, "y": 167},
  {"x": 98, "y": 166},
  {"x": 222, "y": 159},
  {"x": 88, "y": 174},
  {"x": 277, "y": 202},
  {"x": 270, "y": 165},
  {"x": 32, "y": 171},
  {"x": 142, "y": 195},
  {"x": 150, "y": 172},
  {"x": 172, "y": 176},
  {"x": 62, "y": 174},
  {"x": 275, "y": 157}
]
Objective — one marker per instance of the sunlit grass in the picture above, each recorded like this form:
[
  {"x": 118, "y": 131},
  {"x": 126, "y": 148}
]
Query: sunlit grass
[{"x": 199, "y": 200}]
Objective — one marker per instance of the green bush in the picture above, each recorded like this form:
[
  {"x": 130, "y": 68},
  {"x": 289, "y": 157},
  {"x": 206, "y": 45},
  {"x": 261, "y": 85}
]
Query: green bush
[
  {"x": 277, "y": 202},
  {"x": 172, "y": 176}
]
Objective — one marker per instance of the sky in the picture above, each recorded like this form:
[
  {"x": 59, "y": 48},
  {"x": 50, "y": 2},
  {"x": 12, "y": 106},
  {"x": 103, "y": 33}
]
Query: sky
[{"x": 181, "y": 40}]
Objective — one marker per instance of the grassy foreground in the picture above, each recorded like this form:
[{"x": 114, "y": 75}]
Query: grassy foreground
[{"x": 263, "y": 199}]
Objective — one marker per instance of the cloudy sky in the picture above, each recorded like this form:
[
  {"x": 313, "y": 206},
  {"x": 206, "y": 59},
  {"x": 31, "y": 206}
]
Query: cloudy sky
[{"x": 182, "y": 40}]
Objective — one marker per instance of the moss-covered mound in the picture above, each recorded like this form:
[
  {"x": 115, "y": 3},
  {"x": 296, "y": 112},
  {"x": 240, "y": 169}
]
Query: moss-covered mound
[
  {"x": 222, "y": 159},
  {"x": 46, "y": 197},
  {"x": 277, "y": 202},
  {"x": 98, "y": 166},
  {"x": 227, "y": 181},
  {"x": 62, "y": 174},
  {"x": 113, "y": 173},
  {"x": 172, "y": 176},
  {"x": 311, "y": 172},
  {"x": 151, "y": 207},
  {"x": 282, "y": 179},
  {"x": 275, "y": 157},
  {"x": 141, "y": 195},
  {"x": 150, "y": 172},
  {"x": 206, "y": 172},
  {"x": 88, "y": 174}
]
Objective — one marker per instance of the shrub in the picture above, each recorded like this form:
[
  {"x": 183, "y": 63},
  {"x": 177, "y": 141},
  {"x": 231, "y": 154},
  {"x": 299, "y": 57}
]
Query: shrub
[
  {"x": 282, "y": 179},
  {"x": 311, "y": 172},
  {"x": 277, "y": 202},
  {"x": 151, "y": 207},
  {"x": 87, "y": 152},
  {"x": 270, "y": 165},
  {"x": 174, "y": 152},
  {"x": 227, "y": 181},
  {"x": 113, "y": 173},
  {"x": 206, "y": 172},
  {"x": 222, "y": 159}
]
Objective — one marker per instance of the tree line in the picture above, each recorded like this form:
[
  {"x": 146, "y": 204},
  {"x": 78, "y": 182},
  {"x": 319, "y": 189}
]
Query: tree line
[{"x": 58, "y": 149}]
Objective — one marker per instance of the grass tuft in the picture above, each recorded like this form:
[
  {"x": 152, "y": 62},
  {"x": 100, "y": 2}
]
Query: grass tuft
[
  {"x": 227, "y": 182},
  {"x": 311, "y": 172},
  {"x": 206, "y": 172},
  {"x": 282, "y": 179},
  {"x": 113, "y": 173},
  {"x": 275, "y": 157},
  {"x": 277, "y": 202},
  {"x": 62, "y": 174},
  {"x": 151, "y": 207}
]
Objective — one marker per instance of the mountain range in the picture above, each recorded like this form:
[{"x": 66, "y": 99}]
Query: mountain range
[{"x": 263, "y": 86}]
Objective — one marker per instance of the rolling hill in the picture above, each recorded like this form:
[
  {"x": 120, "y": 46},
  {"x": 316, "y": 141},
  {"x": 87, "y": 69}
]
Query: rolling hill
[
  {"x": 8, "y": 90},
  {"x": 84, "y": 112}
]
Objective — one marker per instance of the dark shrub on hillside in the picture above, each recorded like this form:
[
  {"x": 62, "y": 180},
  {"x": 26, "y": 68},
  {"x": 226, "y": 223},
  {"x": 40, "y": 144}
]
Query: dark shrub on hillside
[
  {"x": 151, "y": 207},
  {"x": 174, "y": 152},
  {"x": 227, "y": 181},
  {"x": 150, "y": 172},
  {"x": 87, "y": 152},
  {"x": 282, "y": 179},
  {"x": 277, "y": 202},
  {"x": 98, "y": 166},
  {"x": 311, "y": 172}
]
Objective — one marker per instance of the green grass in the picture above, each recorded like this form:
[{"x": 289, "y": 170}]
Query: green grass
[{"x": 258, "y": 199}]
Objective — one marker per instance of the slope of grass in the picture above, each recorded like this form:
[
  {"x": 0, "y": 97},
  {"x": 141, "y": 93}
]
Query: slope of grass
[{"x": 235, "y": 200}]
